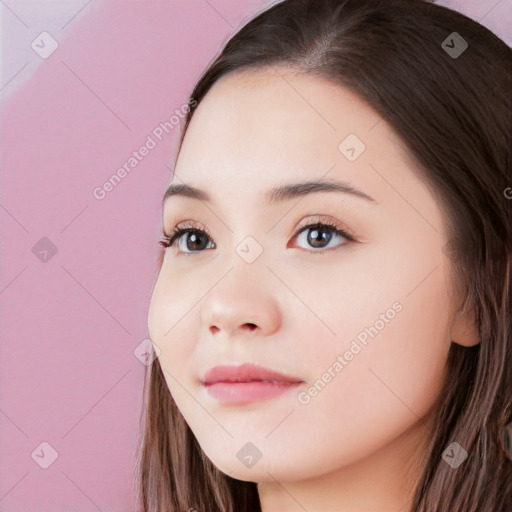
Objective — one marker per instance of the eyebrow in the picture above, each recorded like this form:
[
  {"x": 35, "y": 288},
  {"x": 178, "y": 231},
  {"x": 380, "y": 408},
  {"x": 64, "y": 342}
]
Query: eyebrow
[{"x": 276, "y": 194}]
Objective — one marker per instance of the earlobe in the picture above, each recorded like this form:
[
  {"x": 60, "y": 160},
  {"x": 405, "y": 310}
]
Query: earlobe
[{"x": 464, "y": 331}]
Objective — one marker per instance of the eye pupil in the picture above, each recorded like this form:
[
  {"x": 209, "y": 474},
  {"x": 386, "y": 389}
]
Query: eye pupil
[
  {"x": 318, "y": 236},
  {"x": 193, "y": 238}
]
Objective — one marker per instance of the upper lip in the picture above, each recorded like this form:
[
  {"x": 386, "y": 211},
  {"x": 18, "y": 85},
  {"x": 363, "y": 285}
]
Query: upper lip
[{"x": 245, "y": 373}]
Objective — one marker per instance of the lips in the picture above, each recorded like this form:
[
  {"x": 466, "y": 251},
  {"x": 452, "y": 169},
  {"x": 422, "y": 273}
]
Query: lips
[
  {"x": 246, "y": 373},
  {"x": 247, "y": 384}
]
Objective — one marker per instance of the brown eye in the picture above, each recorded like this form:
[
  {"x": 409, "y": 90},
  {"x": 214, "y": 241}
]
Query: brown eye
[
  {"x": 320, "y": 235},
  {"x": 193, "y": 241},
  {"x": 190, "y": 240}
]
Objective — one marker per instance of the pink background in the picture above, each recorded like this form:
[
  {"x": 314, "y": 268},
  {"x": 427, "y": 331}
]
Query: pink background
[{"x": 68, "y": 373}]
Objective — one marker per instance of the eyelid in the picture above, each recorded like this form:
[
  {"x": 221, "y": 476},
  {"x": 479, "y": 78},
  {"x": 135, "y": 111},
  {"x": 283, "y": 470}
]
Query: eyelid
[
  {"x": 310, "y": 219},
  {"x": 187, "y": 224},
  {"x": 328, "y": 220}
]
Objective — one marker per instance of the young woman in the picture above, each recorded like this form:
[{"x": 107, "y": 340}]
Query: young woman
[{"x": 332, "y": 311}]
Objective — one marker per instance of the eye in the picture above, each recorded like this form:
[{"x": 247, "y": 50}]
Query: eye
[
  {"x": 321, "y": 234},
  {"x": 194, "y": 243}
]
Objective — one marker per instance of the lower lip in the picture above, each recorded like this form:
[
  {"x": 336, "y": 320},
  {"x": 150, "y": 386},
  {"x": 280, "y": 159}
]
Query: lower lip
[{"x": 241, "y": 393}]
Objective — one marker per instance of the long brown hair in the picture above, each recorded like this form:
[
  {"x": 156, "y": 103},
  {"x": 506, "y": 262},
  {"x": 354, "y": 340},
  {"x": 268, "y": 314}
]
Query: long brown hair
[{"x": 453, "y": 114}]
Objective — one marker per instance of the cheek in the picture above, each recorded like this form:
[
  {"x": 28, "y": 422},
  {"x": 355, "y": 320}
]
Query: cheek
[
  {"x": 360, "y": 404},
  {"x": 390, "y": 326},
  {"x": 168, "y": 324},
  {"x": 169, "y": 315}
]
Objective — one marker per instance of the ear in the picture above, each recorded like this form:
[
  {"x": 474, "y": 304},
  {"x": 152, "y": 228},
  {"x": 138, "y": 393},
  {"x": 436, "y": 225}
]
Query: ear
[{"x": 464, "y": 330}]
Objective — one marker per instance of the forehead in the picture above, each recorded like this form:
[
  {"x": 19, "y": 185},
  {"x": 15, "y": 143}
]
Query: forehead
[{"x": 255, "y": 129}]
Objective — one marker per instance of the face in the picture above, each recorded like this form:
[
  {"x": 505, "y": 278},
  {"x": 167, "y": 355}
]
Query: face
[{"x": 360, "y": 317}]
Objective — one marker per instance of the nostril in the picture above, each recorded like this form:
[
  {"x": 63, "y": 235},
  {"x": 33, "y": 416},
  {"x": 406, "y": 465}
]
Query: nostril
[{"x": 251, "y": 326}]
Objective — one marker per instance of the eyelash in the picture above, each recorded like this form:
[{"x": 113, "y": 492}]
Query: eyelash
[{"x": 168, "y": 240}]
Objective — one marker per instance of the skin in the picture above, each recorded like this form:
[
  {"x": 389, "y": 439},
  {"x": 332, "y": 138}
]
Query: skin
[{"x": 355, "y": 445}]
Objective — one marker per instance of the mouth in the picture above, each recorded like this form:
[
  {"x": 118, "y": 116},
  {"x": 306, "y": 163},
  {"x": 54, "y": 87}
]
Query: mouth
[{"x": 245, "y": 384}]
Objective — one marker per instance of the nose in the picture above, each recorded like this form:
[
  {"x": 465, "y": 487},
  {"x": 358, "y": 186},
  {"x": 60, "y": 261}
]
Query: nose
[{"x": 239, "y": 308}]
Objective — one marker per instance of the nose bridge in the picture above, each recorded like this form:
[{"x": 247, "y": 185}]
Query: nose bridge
[{"x": 248, "y": 252}]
